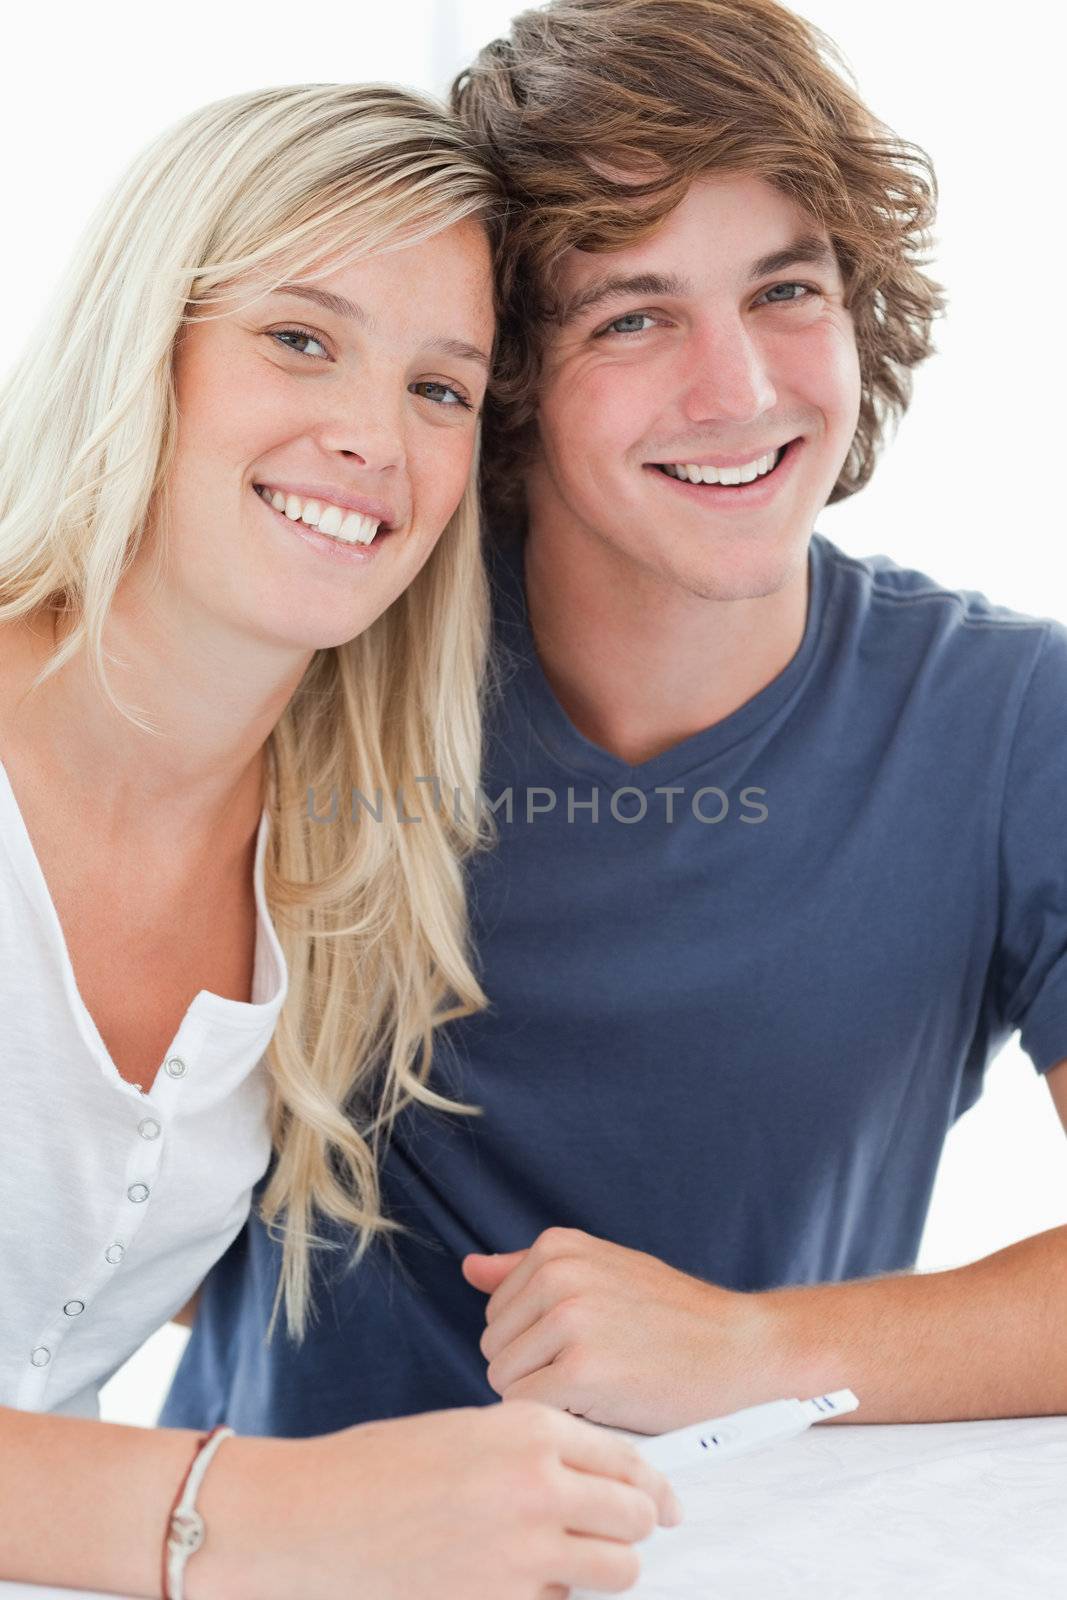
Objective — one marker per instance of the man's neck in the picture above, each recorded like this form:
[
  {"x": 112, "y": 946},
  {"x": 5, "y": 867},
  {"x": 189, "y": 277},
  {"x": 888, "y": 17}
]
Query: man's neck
[{"x": 640, "y": 664}]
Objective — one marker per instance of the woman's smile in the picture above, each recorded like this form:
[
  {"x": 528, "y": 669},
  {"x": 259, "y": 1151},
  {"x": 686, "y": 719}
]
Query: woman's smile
[{"x": 338, "y": 531}]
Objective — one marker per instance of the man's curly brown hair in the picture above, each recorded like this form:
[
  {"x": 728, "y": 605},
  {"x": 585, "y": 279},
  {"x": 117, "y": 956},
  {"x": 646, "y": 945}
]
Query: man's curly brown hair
[{"x": 599, "y": 114}]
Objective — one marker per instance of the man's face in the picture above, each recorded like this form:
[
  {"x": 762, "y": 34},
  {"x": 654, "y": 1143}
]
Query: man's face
[{"x": 694, "y": 349}]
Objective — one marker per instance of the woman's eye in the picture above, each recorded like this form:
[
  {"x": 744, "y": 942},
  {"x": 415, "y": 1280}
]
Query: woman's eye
[
  {"x": 296, "y": 338},
  {"x": 441, "y": 394},
  {"x": 626, "y": 324},
  {"x": 797, "y": 291}
]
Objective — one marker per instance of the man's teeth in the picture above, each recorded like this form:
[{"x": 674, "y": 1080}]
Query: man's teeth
[
  {"x": 746, "y": 474},
  {"x": 352, "y": 526}
]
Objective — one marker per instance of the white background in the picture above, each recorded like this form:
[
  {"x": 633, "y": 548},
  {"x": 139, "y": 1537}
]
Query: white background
[{"x": 970, "y": 491}]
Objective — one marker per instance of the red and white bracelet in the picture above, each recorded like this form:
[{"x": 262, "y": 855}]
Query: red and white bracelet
[{"x": 185, "y": 1525}]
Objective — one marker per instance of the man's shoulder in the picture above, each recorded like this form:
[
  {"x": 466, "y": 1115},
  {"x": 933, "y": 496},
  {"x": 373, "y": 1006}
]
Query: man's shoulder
[
  {"x": 910, "y": 610},
  {"x": 882, "y": 581}
]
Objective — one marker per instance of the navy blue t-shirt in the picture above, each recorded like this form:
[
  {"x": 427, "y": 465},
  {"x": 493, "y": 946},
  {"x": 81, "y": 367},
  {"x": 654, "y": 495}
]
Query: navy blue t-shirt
[{"x": 734, "y": 1011}]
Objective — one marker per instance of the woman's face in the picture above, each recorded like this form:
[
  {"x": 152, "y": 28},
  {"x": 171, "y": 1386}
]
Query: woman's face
[{"x": 316, "y": 415}]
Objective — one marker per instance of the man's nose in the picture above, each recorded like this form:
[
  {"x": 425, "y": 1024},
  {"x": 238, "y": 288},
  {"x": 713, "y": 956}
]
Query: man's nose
[{"x": 727, "y": 376}]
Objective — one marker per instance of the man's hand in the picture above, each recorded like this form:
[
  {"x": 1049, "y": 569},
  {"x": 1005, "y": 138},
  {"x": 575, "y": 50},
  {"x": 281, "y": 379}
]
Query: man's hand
[
  {"x": 619, "y": 1337},
  {"x": 616, "y": 1336}
]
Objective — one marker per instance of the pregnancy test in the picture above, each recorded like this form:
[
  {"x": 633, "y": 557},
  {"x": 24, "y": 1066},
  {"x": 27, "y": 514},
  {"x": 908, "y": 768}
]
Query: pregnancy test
[{"x": 742, "y": 1431}]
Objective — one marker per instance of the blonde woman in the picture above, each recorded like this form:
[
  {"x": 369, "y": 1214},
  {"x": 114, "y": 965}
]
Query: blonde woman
[{"x": 239, "y": 561}]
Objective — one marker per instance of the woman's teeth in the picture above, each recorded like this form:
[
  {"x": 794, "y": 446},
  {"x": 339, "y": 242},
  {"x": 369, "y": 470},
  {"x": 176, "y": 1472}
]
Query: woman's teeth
[
  {"x": 351, "y": 526},
  {"x": 746, "y": 474}
]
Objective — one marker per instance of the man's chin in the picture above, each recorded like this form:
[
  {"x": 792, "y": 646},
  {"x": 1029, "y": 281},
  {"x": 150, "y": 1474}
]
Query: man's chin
[{"x": 729, "y": 565}]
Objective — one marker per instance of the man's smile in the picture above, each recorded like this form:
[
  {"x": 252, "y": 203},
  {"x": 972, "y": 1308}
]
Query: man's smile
[
  {"x": 750, "y": 483},
  {"x": 744, "y": 471}
]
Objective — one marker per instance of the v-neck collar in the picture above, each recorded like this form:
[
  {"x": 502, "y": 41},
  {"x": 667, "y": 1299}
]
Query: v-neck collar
[{"x": 574, "y": 751}]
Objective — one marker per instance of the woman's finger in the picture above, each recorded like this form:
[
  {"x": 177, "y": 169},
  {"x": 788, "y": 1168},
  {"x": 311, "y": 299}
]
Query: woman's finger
[
  {"x": 604, "y": 1508},
  {"x": 598, "y": 1564},
  {"x": 590, "y": 1449}
]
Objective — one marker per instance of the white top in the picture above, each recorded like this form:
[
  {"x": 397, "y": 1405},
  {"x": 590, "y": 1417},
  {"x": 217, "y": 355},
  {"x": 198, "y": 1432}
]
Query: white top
[{"x": 113, "y": 1203}]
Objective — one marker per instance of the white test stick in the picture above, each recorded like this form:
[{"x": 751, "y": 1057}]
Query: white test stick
[{"x": 742, "y": 1431}]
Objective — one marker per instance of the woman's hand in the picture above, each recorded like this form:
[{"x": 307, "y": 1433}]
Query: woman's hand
[{"x": 513, "y": 1501}]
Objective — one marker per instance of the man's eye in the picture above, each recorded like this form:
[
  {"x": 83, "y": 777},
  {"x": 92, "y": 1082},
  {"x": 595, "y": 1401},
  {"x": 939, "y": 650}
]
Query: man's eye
[
  {"x": 442, "y": 394},
  {"x": 794, "y": 291},
  {"x": 295, "y": 338},
  {"x": 628, "y": 323}
]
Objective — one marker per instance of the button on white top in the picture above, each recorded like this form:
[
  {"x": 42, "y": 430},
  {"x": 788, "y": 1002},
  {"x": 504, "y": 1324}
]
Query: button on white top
[
  {"x": 149, "y": 1128},
  {"x": 74, "y": 1308},
  {"x": 63, "y": 1237},
  {"x": 175, "y": 1067}
]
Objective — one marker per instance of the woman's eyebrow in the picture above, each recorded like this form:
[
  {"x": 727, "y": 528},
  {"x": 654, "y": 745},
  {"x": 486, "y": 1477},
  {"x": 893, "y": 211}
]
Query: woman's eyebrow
[
  {"x": 459, "y": 348},
  {"x": 329, "y": 302}
]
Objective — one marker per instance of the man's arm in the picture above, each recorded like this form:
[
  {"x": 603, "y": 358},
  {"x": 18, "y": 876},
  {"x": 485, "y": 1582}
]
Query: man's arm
[
  {"x": 617, "y": 1336},
  {"x": 984, "y": 1340},
  {"x": 1056, "y": 1078}
]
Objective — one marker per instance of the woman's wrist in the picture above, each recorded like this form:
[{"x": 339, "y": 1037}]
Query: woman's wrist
[
  {"x": 243, "y": 1502},
  {"x": 184, "y": 1532}
]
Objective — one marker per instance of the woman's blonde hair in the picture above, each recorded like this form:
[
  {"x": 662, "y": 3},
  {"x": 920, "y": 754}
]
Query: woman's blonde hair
[
  {"x": 599, "y": 114},
  {"x": 372, "y": 917}
]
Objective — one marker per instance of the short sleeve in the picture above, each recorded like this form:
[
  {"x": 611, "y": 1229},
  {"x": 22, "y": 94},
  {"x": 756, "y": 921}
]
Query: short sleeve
[{"x": 1032, "y": 952}]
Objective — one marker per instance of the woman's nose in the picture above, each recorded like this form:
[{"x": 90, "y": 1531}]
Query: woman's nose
[{"x": 366, "y": 426}]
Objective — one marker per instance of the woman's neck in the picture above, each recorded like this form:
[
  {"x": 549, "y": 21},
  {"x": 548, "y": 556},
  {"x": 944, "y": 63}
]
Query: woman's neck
[{"x": 212, "y": 701}]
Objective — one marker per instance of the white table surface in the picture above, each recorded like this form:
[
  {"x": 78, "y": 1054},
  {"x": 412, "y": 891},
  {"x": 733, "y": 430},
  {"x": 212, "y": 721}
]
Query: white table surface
[{"x": 938, "y": 1511}]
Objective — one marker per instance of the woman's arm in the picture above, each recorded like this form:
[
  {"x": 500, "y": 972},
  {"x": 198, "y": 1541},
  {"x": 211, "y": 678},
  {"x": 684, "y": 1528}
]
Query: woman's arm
[
  {"x": 84, "y": 1504},
  {"x": 514, "y": 1500},
  {"x": 187, "y": 1315}
]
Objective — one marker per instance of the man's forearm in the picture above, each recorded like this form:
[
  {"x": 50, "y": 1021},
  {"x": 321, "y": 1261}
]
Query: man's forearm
[{"x": 984, "y": 1340}]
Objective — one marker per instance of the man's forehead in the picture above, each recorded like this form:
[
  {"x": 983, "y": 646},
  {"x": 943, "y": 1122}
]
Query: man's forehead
[
  {"x": 744, "y": 213},
  {"x": 735, "y": 223}
]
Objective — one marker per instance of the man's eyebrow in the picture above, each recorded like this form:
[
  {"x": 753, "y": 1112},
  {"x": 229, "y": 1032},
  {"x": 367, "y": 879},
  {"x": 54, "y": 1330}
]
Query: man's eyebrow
[
  {"x": 459, "y": 348},
  {"x": 807, "y": 247},
  {"x": 615, "y": 288}
]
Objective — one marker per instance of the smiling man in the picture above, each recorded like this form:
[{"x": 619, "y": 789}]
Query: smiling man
[
  {"x": 684, "y": 450},
  {"x": 781, "y": 863}
]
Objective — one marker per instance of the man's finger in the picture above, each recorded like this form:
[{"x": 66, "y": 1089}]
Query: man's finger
[
  {"x": 533, "y": 1348},
  {"x": 487, "y": 1273},
  {"x": 509, "y": 1322},
  {"x": 547, "y": 1386},
  {"x": 538, "y": 1255}
]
